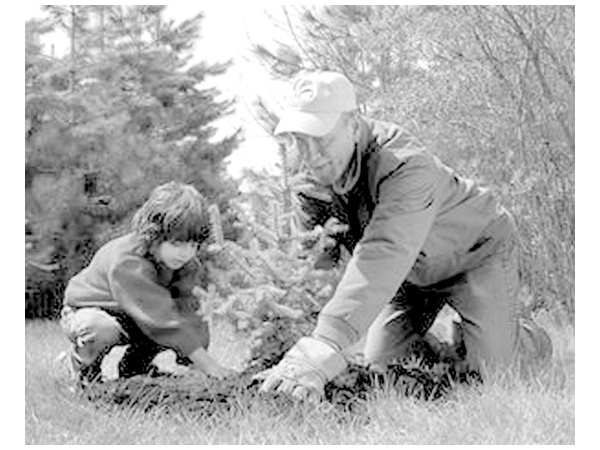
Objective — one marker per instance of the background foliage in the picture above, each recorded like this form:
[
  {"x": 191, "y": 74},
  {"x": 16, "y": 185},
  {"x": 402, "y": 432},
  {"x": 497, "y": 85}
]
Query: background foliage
[
  {"x": 122, "y": 112},
  {"x": 489, "y": 89}
]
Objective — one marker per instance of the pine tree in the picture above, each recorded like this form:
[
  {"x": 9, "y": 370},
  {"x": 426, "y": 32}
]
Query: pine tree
[
  {"x": 265, "y": 283},
  {"x": 120, "y": 113}
]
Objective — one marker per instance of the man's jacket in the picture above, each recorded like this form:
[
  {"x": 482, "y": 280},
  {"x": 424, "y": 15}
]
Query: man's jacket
[
  {"x": 410, "y": 218},
  {"x": 123, "y": 277}
]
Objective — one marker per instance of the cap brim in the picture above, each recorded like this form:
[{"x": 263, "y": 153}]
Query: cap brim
[{"x": 313, "y": 124}]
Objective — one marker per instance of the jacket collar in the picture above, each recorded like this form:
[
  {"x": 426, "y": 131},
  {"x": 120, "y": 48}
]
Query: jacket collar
[
  {"x": 377, "y": 133},
  {"x": 373, "y": 135}
]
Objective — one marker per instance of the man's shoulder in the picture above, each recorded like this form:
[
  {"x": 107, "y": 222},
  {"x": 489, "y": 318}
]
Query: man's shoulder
[
  {"x": 390, "y": 161},
  {"x": 391, "y": 136},
  {"x": 392, "y": 146},
  {"x": 393, "y": 157}
]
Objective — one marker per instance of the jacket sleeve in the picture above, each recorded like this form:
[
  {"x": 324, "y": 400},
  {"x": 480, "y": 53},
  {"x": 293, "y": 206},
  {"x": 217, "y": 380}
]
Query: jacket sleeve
[
  {"x": 404, "y": 213},
  {"x": 151, "y": 306},
  {"x": 183, "y": 283}
]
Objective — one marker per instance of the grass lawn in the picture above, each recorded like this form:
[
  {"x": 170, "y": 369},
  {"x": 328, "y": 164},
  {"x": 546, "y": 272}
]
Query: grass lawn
[{"x": 506, "y": 410}]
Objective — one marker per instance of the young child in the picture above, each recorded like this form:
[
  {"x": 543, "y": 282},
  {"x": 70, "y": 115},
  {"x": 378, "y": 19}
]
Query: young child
[{"x": 137, "y": 290}]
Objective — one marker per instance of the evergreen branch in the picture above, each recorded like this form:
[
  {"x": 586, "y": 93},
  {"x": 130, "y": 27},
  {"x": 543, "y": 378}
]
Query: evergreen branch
[
  {"x": 216, "y": 225},
  {"x": 227, "y": 247},
  {"x": 270, "y": 269},
  {"x": 286, "y": 311},
  {"x": 42, "y": 266}
]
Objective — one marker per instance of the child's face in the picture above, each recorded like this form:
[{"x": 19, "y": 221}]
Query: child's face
[{"x": 176, "y": 254}]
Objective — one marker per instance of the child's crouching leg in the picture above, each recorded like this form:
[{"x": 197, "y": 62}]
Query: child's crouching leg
[
  {"x": 138, "y": 358},
  {"x": 93, "y": 332}
]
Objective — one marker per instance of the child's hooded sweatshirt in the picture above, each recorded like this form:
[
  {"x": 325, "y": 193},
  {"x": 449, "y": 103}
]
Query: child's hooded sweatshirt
[{"x": 123, "y": 276}]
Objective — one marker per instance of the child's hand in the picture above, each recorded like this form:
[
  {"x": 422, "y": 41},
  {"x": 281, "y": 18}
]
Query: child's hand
[{"x": 207, "y": 364}]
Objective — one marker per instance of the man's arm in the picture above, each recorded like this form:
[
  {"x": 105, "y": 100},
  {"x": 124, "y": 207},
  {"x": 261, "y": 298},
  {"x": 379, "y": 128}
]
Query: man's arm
[{"x": 382, "y": 259}]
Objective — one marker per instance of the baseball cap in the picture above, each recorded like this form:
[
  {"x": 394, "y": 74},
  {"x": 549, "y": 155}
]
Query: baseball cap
[{"x": 318, "y": 100}]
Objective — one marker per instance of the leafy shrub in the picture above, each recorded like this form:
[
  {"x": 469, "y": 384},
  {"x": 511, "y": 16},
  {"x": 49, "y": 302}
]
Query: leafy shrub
[{"x": 43, "y": 297}]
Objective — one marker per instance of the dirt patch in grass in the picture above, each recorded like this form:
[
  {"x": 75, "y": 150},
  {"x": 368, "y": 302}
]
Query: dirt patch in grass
[{"x": 202, "y": 395}]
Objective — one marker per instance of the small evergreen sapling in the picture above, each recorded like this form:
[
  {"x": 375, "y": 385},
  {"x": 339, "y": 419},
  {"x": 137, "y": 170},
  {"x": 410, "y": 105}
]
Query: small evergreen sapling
[{"x": 269, "y": 288}]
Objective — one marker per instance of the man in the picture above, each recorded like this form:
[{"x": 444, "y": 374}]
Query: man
[{"x": 420, "y": 236}]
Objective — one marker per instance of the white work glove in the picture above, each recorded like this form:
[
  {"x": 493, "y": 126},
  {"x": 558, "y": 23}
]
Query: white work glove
[{"x": 304, "y": 370}]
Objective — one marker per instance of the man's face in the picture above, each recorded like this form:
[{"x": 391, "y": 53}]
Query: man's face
[
  {"x": 326, "y": 156},
  {"x": 176, "y": 254}
]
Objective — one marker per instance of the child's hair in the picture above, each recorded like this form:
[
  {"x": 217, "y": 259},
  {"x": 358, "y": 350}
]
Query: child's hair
[{"x": 173, "y": 212}]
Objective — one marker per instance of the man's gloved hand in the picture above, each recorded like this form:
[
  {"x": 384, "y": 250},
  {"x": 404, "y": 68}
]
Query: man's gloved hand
[{"x": 304, "y": 370}]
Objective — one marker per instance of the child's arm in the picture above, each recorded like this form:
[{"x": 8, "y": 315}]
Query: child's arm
[
  {"x": 133, "y": 286},
  {"x": 152, "y": 308},
  {"x": 182, "y": 288},
  {"x": 205, "y": 363}
]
